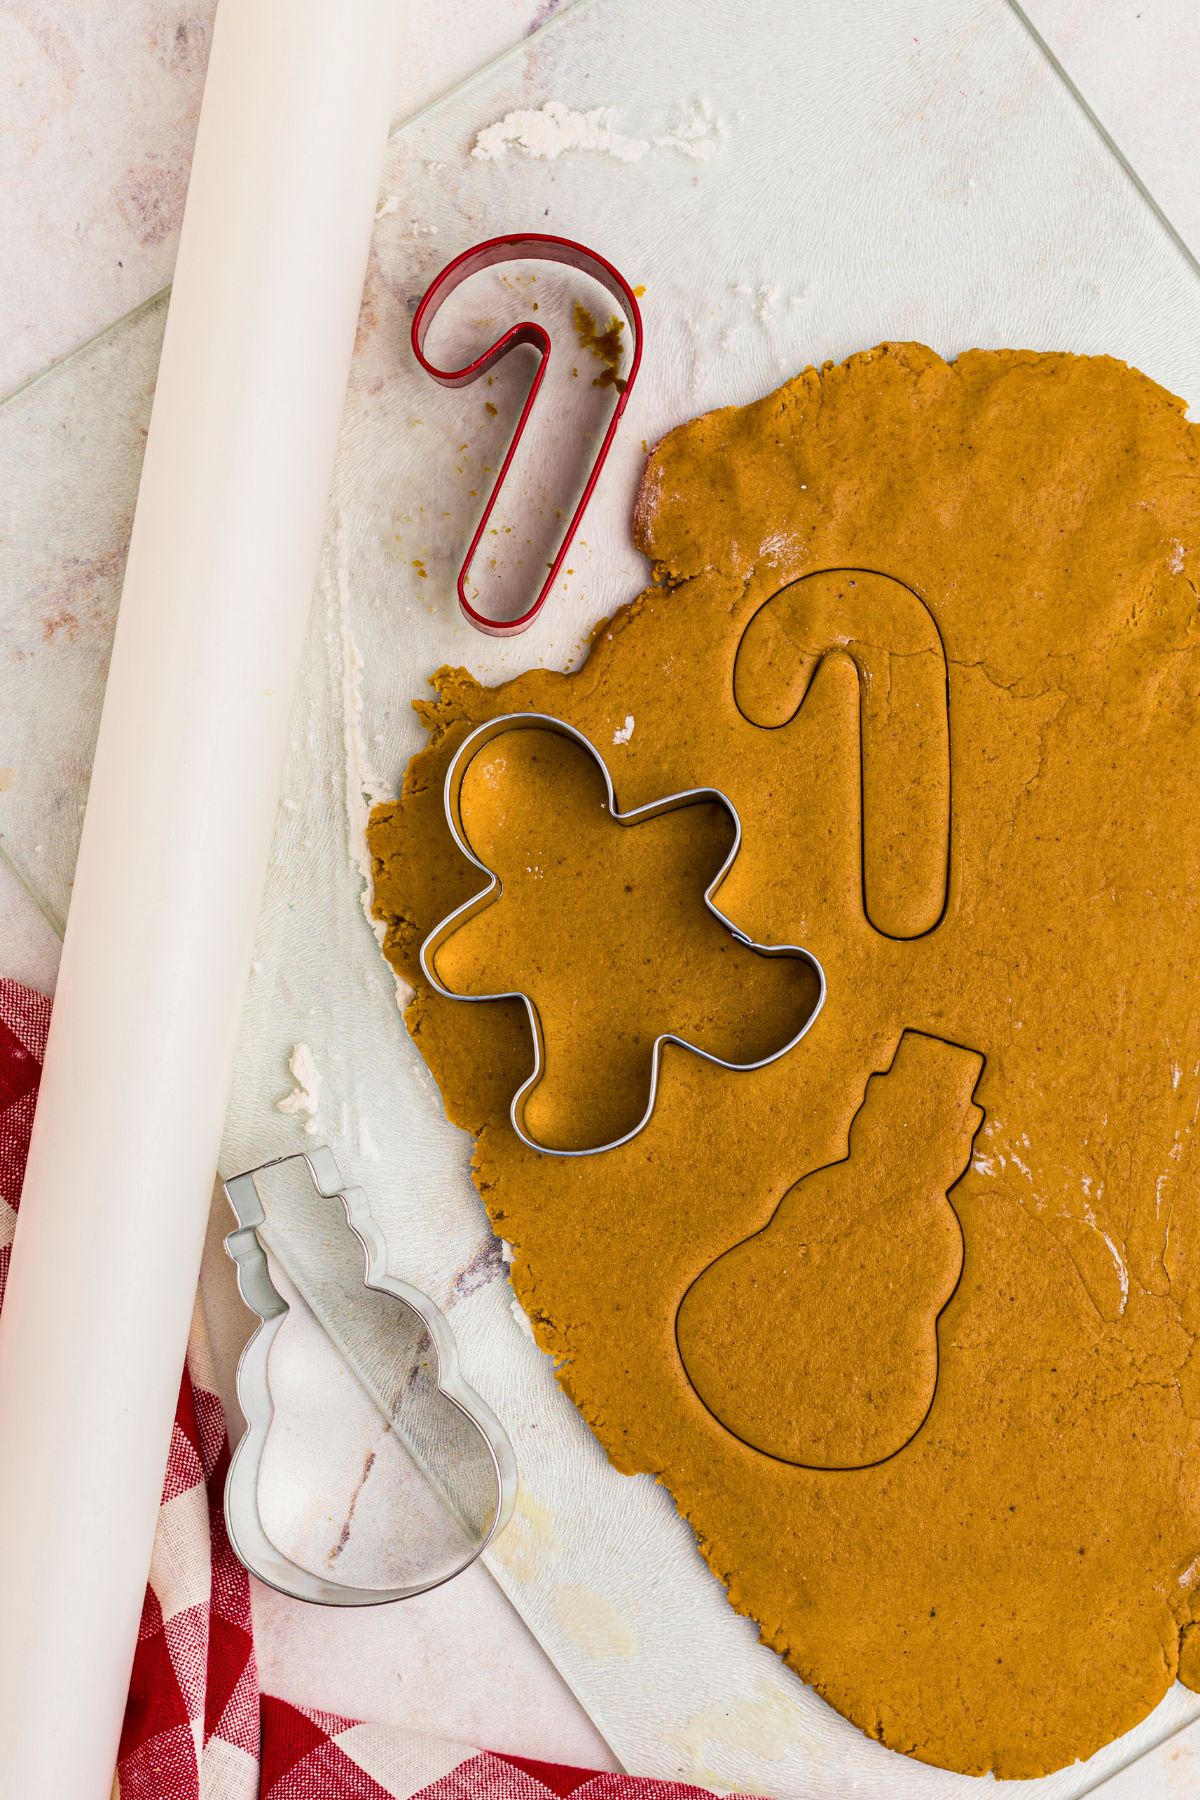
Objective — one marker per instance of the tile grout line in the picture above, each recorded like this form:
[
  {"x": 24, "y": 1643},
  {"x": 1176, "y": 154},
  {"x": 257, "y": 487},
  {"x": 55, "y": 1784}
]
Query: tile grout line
[
  {"x": 27, "y": 887},
  {"x": 1106, "y": 136},
  {"x": 397, "y": 129}
]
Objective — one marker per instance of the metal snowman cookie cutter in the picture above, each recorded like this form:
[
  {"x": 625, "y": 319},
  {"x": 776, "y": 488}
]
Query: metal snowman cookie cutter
[
  {"x": 472, "y": 744},
  {"x": 248, "y": 1534}
]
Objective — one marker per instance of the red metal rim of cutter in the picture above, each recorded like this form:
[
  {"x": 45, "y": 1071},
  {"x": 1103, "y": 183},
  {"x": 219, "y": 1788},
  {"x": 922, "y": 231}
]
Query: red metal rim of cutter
[{"x": 531, "y": 246}]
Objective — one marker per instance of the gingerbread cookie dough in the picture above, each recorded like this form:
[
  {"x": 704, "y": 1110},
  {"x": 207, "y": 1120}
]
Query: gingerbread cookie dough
[
  {"x": 582, "y": 891},
  {"x": 906, "y": 1320}
]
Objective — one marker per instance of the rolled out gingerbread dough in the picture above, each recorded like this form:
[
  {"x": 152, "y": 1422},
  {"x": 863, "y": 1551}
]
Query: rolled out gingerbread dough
[{"x": 905, "y": 1321}]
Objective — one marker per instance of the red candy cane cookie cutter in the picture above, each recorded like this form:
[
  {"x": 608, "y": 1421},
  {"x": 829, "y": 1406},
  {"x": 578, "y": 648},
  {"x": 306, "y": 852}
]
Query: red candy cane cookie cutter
[{"x": 530, "y": 246}]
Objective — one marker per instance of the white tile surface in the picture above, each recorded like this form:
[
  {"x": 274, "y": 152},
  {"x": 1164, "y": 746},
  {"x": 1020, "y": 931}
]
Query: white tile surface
[
  {"x": 1137, "y": 63},
  {"x": 99, "y": 104},
  {"x": 1170, "y": 1772}
]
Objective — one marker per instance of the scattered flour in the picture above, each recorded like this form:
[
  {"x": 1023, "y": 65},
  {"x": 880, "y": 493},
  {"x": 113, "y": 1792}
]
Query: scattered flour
[
  {"x": 1161, "y": 1187},
  {"x": 364, "y": 789},
  {"x": 1190, "y": 1573},
  {"x": 520, "y": 1315},
  {"x": 765, "y": 298},
  {"x": 1024, "y": 1167},
  {"x": 1122, "y": 1271},
  {"x": 551, "y": 130},
  {"x": 305, "y": 1098},
  {"x": 390, "y": 204},
  {"x": 783, "y": 547},
  {"x": 1176, "y": 562},
  {"x": 696, "y": 133},
  {"x": 624, "y": 732}
]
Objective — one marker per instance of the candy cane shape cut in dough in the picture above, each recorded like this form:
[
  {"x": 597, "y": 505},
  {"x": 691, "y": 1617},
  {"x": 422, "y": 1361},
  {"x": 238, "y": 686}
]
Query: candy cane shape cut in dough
[{"x": 893, "y": 640}]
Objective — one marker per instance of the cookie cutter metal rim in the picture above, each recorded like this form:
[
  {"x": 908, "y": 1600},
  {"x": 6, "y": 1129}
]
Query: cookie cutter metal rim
[
  {"x": 243, "y": 1517},
  {"x": 515, "y": 247},
  {"x": 472, "y": 744}
]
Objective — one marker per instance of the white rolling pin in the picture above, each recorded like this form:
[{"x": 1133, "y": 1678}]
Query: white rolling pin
[{"x": 221, "y": 571}]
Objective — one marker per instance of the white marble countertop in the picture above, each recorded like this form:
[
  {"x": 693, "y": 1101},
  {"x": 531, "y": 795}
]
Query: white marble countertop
[{"x": 100, "y": 103}]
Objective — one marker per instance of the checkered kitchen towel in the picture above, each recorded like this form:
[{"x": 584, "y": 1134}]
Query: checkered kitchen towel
[{"x": 197, "y": 1727}]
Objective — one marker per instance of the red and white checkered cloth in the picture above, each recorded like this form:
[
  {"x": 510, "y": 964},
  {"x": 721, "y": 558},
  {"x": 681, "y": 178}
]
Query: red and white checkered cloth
[{"x": 197, "y": 1726}]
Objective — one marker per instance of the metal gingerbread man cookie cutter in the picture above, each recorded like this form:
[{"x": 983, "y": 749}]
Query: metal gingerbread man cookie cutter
[
  {"x": 468, "y": 750},
  {"x": 248, "y": 1533}
]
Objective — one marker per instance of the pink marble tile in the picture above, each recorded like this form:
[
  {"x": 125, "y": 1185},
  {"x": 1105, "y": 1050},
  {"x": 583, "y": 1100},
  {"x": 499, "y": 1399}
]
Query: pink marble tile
[
  {"x": 100, "y": 106},
  {"x": 99, "y": 100}
]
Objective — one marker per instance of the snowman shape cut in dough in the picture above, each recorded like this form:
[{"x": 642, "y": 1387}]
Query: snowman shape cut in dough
[{"x": 839, "y": 1293}]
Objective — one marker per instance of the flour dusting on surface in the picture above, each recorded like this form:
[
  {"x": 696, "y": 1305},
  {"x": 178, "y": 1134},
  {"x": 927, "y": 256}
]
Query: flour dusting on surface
[
  {"x": 624, "y": 732},
  {"x": 304, "y": 1101},
  {"x": 764, "y": 298},
  {"x": 648, "y": 500},
  {"x": 1190, "y": 1573},
  {"x": 695, "y": 134},
  {"x": 1118, "y": 1261},
  {"x": 1122, "y": 1271},
  {"x": 521, "y": 1316},
  {"x": 364, "y": 789},
  {"x": 783, "y": 547},
  {"x": 553, "y": 129},
  {"x": 550, "y": 130}
]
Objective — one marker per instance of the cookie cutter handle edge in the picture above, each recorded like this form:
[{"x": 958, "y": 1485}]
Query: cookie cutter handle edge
[{"x": 515, "y": 247}]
